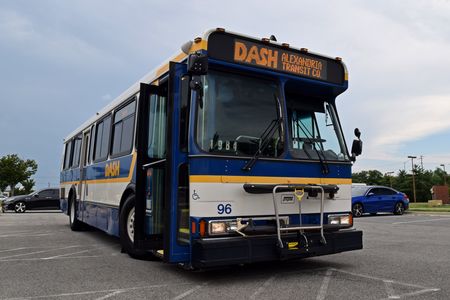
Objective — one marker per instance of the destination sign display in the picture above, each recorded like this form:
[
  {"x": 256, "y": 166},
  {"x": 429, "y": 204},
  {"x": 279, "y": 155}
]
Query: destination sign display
[{"x": 249, "y": 52}]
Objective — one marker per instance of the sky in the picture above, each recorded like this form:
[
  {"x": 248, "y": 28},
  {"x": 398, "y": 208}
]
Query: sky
[{"x": 62, "y": 61}]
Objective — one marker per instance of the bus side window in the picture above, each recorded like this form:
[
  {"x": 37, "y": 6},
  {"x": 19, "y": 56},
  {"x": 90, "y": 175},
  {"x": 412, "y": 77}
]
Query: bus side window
[
  {"x": 157, "y": 127},
  {"x": 102, "y": 139},
  {"x": 91, "y": 146},
  {"x": 123, "y": 130},
  {"x": 76, "y": 151},
  {"x": 68, "y": 155}
]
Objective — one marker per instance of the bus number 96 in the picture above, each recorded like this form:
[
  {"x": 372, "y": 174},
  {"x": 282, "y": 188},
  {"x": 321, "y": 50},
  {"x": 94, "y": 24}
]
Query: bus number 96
[{"x": 224, "y": 208}]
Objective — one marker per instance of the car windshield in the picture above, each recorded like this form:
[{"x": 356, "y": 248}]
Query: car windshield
[
  {"x": 358, "y": 190},
  {"x": 237, "y": 111}
]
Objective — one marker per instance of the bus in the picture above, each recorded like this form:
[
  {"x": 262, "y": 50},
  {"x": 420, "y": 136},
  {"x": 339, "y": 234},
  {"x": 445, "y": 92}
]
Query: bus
[{"x": 231, "y": 152}]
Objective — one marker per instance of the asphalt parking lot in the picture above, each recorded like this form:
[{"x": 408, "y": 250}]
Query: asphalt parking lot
[{"x": 404, "y": 257}]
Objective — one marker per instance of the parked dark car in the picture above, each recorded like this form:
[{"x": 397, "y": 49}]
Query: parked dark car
[
  {"x": 42, "y": 199},
  {"x": 375, "y": 199}
]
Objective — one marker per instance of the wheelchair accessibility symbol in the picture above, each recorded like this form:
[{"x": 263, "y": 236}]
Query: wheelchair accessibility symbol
[{"x": 195, "y": 196}]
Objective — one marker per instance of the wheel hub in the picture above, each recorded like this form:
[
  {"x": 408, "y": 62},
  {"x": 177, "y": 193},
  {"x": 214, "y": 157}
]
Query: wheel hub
[{"x": 130, "y": 225}]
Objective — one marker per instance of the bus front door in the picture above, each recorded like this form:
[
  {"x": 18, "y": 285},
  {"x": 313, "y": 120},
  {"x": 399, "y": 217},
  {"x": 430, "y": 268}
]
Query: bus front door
[
  {"x": 82, "y": 187},
  {"x": 161, "y": 218}
]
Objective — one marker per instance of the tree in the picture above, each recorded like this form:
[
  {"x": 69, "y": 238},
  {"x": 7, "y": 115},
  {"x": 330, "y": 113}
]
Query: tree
[
  {"x": 28, "y": 185},
  {"x": 3, "y": 185},
  {"x": 371, "y": 177},
  {"x": 13, "y": 170}
]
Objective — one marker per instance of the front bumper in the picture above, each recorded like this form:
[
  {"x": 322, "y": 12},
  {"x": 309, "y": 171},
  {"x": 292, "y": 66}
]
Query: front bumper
[{"x": 213, "y": 252}]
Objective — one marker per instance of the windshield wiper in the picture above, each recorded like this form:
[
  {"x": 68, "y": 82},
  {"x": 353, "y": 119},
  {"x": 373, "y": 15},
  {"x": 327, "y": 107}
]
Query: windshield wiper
[
  {"x": 265, "y": 141},
  {"x": 266, "y": 136},
  {"x": 312, "y": 141}
]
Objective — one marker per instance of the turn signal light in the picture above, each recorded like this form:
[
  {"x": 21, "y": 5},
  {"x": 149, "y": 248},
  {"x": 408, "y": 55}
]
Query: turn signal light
[
  {"x": 202, "y": 228},
  {"x": 193, "y": 227}
]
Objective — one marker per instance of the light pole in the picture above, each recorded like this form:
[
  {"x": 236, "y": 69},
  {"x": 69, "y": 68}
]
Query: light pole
[
  {"x": 390, "y": 177},
  {"x": 445, "y": 174},
  {"x": 414, "y": 181}
]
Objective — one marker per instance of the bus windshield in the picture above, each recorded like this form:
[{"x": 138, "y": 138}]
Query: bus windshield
[
  {"x": 314, "y": 130},
  {"x": 236, "y": 112}
]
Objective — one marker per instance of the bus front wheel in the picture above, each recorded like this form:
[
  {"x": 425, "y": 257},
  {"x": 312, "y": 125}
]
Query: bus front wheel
[{"x": 126, "y": 228}]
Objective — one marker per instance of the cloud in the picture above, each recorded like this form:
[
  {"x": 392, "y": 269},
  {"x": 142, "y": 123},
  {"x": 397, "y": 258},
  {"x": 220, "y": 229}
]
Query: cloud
[{"x": 43, "y": 41}]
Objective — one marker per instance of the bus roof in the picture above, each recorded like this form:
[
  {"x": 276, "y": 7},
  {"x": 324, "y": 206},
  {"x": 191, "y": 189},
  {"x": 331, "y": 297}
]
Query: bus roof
[{"x": 214, "y": 47}]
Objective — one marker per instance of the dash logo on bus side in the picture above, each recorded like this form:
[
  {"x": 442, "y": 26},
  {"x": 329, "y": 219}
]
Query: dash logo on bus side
[{"x": 112, "y": 169}]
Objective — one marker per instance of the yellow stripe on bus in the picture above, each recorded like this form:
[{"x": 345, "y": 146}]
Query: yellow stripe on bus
[{"x": 266, "y": 179}]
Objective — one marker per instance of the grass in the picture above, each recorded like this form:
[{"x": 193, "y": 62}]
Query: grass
[{"x": 424, "y": 207}]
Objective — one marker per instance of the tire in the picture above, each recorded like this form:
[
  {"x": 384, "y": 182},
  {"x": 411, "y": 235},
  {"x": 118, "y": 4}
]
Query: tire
[
  {"x": 20, "y": 207},
  {"x": 75, "y": 224},
  {"x": 126, "y": 229},
  {"x": 357, "y": 210},
  {"x": 399, "y": 208}
]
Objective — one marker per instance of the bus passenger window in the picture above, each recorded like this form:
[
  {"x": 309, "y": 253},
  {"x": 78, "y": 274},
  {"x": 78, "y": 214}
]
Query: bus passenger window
[
  {"x": 68, "y": 155},
  {"x": 123, "y": 130},
  {"x": 76, "y": 151},
  {"x": 102, "y": 139},
  {"x": 157, "y": 127}
]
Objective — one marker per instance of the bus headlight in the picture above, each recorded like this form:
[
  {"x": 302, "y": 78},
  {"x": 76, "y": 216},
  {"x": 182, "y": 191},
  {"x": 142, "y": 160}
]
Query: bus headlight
[
  {"x": 344, "y": 220},
  {"x": 221, "y": 227}
]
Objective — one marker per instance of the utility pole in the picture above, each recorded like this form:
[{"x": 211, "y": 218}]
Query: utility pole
[
  {"x": 390, "y": 177},
  {"x": 414, "y": 181},
  {"x": 421, "y": 161},
  {"x": 445, "y": 174}
]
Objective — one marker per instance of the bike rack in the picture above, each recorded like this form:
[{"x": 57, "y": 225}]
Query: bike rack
[{"x": 300, "y": 228}]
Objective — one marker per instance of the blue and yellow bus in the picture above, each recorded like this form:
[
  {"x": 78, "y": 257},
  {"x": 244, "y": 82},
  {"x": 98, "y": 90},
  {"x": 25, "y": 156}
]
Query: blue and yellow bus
[{"x": 231, "y": 152}]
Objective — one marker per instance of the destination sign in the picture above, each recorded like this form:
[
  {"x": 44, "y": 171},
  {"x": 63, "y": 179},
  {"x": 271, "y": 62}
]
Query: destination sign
[{"x": 245, "y": 51}]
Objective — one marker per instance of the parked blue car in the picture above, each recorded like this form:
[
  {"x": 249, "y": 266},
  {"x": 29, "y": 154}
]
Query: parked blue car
[{"x": 373, "y": 199}]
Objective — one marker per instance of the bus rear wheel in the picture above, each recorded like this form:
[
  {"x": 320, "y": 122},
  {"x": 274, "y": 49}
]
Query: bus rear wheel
[
  {"x": 75, "y": 224},
  {"x": 126, "y": 229}
]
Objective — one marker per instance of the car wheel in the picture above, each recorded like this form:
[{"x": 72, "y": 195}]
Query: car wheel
[
  {"x": 20, "y": 207},
  {"x": 399, "y": 208},
  {"x": 75, "y": 224},
  {"x": 126, "y": 229},
  {"x": 357, "y": 210}
]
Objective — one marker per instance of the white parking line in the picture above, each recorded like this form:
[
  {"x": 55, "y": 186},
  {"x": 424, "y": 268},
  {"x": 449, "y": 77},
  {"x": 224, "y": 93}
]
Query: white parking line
[
  {"x": 15, "y": 249},
  {"x": 389, "y": 286},
  {"x": 324, "y": 287},
  {"x": 26, "y": 235},
  {"x": 261, "y": 289},
  {"x": 43, "y": 259},
  {"x": 110, "y": 291},
  {"x": 66, "y": 254},
  {"x": 190, "y": 291},
  {"x": 390, "y": 290},
  {"x": 110, "y": 295},
  {"x": 37, "y": 252},
  {"x": 420, "y": 221}
]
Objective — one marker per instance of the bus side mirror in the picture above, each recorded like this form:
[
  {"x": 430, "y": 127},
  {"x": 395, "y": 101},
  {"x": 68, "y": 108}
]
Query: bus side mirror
[
  {"x": 197, "y": 65},
  {"x": 357, "y": 145}
]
